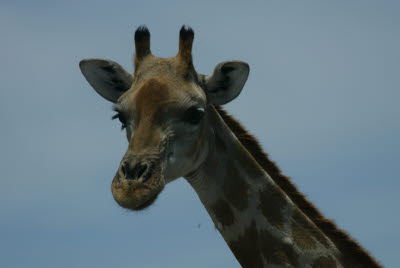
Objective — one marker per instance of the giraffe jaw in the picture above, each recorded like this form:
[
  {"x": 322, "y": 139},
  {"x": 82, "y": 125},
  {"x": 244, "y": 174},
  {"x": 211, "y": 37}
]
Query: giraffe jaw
[{"x": 137, "y": 194}]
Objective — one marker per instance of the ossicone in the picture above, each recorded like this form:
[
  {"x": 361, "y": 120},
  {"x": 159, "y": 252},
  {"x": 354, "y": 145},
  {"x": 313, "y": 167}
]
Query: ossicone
[
  {"x": 186, "y": 36},
  {"x": 142, "y": 42}
]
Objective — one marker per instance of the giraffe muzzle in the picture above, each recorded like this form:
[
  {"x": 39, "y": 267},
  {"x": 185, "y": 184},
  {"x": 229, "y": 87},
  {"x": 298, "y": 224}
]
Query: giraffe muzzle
[{"x": 137, "y": 184}]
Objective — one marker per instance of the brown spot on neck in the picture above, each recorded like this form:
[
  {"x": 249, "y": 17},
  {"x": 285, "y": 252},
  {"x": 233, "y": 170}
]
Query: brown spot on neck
[
  {"x": 236, "y": 188},
  {"x": 302, "y": 236},
  {"x": 223, "y": 212},
  {"x": 253, "y": 244},
  {"x": 272, "y": 202},
  {"x": 308, "y": 230},
  {"x": 275, "y": 251},
  {"x": 246, "y": 248}
]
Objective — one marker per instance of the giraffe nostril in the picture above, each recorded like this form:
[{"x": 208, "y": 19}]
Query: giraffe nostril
[
  {"x": 141, "y": 170},
  {"x": 135, "y": 171},
  {"x": 148, "y": 173},
  {"x": 124, "y": 169}
]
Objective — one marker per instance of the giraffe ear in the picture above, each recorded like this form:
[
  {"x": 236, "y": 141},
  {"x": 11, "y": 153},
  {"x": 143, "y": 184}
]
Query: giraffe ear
[
  {"x": 226, "y": 81},
  {"x": 108, "y": 78}
]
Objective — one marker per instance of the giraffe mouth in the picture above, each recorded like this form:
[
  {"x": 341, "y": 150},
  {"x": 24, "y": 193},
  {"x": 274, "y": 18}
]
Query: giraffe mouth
[{"x": 140, "y": 193}]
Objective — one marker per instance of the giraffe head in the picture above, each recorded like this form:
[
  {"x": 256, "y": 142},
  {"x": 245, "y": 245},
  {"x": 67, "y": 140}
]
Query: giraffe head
[{"x": 164, "y": 108}]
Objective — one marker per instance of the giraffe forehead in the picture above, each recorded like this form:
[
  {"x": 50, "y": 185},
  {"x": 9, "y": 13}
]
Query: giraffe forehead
[
  {"x": 158, "y": 81},
  {"x": 170, "y": 68},
  {"x": 155, "y": 66},
  {"x": 153, "y": 94},
  {"x": 156, "y": 95}
]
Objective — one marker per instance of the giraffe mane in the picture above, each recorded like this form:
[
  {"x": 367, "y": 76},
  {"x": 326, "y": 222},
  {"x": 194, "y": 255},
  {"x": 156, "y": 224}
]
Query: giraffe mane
[{"x": 346, "y": 245}]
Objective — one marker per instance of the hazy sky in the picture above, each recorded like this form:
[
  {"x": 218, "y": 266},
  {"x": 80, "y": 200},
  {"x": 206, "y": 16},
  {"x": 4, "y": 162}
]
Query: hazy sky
[{"x": 322, "y": 97}]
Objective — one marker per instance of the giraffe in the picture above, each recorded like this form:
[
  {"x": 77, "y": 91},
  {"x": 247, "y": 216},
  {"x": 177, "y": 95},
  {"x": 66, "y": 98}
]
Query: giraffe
[{"x": 176, "y": 128}]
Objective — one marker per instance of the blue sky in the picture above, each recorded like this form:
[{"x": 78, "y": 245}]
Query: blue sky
[{"x": 322, "y": 97}]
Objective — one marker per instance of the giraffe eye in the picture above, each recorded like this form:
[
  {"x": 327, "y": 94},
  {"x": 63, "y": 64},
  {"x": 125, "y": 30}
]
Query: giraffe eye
[
  {"x": 121, "y": 118},
  {"x": 193, "y": 115}
]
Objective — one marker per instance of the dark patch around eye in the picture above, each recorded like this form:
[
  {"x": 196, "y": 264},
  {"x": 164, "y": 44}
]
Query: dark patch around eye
[{"x": 193, "y": 115}]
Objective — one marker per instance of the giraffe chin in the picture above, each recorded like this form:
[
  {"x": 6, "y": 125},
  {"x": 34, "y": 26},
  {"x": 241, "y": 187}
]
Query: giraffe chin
[{"x": 137, "y": 195}]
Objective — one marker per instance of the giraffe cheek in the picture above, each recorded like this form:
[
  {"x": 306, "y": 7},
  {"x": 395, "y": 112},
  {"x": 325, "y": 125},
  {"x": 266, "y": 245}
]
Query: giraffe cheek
[{"x": 198, "y": 151}]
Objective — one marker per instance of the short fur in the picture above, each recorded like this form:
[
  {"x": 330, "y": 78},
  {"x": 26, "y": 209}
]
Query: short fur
[{"x": 347, "y": 246}]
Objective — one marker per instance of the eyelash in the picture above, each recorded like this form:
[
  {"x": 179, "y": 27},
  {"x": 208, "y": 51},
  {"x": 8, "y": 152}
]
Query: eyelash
[
  {"x": 193, "y": 115},
  {"x": 118, "y": 115}
]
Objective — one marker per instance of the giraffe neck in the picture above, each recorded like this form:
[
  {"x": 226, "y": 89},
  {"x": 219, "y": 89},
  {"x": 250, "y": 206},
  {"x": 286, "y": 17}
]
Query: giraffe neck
[{"x": 260, "y": 224}]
